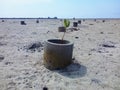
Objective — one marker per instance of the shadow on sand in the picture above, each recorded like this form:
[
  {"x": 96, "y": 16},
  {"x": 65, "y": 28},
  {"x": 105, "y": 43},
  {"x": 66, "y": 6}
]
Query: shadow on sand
[{"x": 75, "y": 70}]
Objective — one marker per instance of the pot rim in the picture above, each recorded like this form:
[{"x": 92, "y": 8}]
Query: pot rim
[{"x": 69, "y": 42}]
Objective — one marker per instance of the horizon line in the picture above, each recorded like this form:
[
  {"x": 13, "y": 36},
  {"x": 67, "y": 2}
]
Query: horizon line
[{"x": 50, "y": 18}]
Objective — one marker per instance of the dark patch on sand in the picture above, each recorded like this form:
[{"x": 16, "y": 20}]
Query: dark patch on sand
[
  {"x": 8, "y": 63},
  {"x": 96, "y": 81},
  {"x": 76, "y": 37},
  {"x": 108, "y": 46},
  {"x": 73, "y": 29},
  {"x": 2, "y": 44},
  {"x": 32, "y": 47},
  {"x": 91, "y": 24},
  {"x": 1, "y": 58}
]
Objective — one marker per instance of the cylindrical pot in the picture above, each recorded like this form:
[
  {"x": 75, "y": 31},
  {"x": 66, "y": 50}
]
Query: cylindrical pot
[
  {"x": 2, "y": 20},
  {"x": 75, "y": 24},
  {"x": 103, "y": 20},
  {"x": 79, "y": 21},
  {"x": 61, "y": 29},
  {"x": 57, "y": 53},
  {"x": 22, "y": 23},
  {"x": 83, "y": 20},
  {"x": 37, "y": 21}
]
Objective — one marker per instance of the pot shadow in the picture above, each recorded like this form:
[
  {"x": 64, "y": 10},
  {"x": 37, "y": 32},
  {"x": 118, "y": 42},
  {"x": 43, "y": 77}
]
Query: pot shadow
[{"x": 75, "y": 70}]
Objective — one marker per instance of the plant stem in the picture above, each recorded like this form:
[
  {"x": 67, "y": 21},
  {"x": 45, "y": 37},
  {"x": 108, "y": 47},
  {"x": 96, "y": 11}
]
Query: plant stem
[{"x": 63, "y": 35}]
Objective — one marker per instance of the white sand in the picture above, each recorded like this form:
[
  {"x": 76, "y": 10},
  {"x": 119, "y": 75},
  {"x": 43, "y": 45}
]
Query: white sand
[{"x": 96, "y": 67}]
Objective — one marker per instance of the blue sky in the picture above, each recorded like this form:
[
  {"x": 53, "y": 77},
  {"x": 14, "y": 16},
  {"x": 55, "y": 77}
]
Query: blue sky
[{"x": 60, "y": 8}]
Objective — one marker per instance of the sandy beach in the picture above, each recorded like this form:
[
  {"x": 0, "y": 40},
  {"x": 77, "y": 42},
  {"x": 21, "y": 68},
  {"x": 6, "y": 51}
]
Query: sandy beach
[{"x": 96, "y": 55}]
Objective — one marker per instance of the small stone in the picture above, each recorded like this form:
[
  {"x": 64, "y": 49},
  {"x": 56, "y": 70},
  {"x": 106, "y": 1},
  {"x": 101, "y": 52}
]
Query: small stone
[
  {"x": 108, "y": 46},
  {"x": 7, "y": 63},
  {"x": 94, "y": 80},
  {"x": 110, "y": 54},
  {"x": 45, "y": 88},
  {"x": 91, "y": 24},
  {"x": 89, "y": 54},
  {"x": 96, "y": 73},
  {"x": 76, "y": 37},
  {"x": 1, "y": 57},
  {"x": 100, "y": 51},
  {"x": 101, "y": 33},
  {"x": 36, "y": 72}
]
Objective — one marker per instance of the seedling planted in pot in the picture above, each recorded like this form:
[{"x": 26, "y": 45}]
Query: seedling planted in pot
[
  {"x": 58, "y": 52},
  {"x": 66, "y": 24}
]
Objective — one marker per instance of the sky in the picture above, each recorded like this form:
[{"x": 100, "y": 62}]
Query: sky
[{"x": 60, "y": 8}]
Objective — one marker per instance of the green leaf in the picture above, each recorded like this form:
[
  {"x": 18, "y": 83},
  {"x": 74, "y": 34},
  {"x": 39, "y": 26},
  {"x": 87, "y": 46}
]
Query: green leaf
[{"x": 66, "y": 23}]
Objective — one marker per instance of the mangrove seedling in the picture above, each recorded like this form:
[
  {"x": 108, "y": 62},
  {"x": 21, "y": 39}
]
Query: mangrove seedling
[{"x": 66, "y": 24}]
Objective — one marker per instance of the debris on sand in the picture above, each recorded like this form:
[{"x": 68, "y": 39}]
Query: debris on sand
[
  {"x": 1, "y": 57},
  {"x": 37, "y": 46},
  {"x": 91, "y": 24},
  {"x": 105, "y": 47},
  {"x": 94, "y": 80},
  {"x": 73, "y": 29},
  {"x": 108, "y": 46}
]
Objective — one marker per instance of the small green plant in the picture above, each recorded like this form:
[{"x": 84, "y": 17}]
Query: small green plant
[{"x": 66, "y": 24}]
